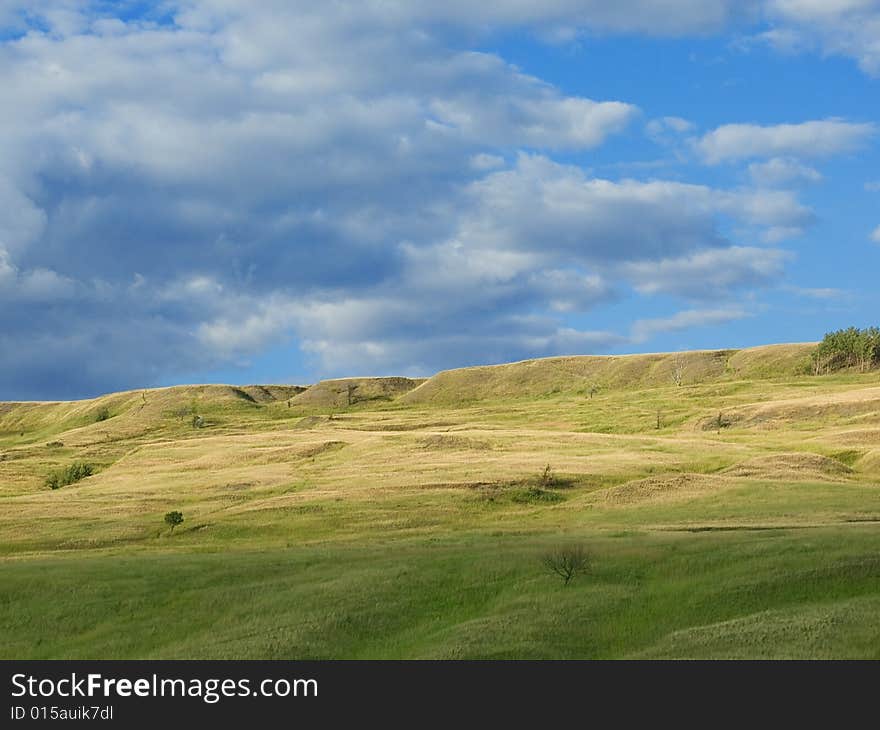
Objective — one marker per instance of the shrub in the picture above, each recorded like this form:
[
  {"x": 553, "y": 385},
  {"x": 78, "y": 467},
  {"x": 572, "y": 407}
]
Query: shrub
[
  {"x": 73, "y": 473},
  {"x": 568, "y": 561},
  {"x": 535, "y": 495},
  {"x": 102, "y": 415},
  {"x": 174, "y": 519}
]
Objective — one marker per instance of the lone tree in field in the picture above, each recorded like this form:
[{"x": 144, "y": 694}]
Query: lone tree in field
[
  {"x": 567, "y": 561},
  {"x": 174, "y": 519}
]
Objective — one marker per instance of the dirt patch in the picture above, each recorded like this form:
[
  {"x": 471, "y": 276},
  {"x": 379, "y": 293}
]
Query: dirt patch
[
  {"x": 348, "y": 392},
  {"x": 664, "y": 487},
  {"x": 723, "y": 421},
  {"x": 446, "y": 441},
  {"x": 797, "y": 466},
  {"x": 858, "y": 437},
  {"x": 317, "y": 449},
  {"x": 241, "y": 394},
  {"x": 271, "y": 393},
  {"x": 403, "y": 426},
  {"x": 475, "y": 486},
  {"x": 238, "y": 486},
  {"x": 311, "y": 421}
]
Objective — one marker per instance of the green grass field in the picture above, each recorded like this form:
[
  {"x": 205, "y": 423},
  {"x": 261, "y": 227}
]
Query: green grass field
[{"x": 734, "y": 516}]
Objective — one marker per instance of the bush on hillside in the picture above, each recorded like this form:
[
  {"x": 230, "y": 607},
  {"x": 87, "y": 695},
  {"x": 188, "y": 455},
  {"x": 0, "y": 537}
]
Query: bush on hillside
[
  {"x": 847, "y": 348},
  {"x": 173, "y": 519},
  {"x": 73, "y": 473}
]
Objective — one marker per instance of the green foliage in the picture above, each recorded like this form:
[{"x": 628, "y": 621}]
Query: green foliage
[
  {"x": 102, "y": 415},
  {"x": 174, "y": 518},
  {"x": 73, "y": 473},
  {"x": 847, "y": 348},
  {"x": 535, "y": 495}
]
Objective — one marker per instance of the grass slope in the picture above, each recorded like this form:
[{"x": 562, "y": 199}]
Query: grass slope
[
  {"x": 736, "y": 515},
  {"x": 581, "y": 374}
]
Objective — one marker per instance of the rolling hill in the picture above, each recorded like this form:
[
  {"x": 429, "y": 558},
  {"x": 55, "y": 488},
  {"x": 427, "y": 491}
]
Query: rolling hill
[{"x": 731, "y": 513}]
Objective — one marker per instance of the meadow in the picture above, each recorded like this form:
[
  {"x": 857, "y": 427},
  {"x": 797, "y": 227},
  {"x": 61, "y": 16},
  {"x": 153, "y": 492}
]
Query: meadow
[{"x": 729, "y": 502}]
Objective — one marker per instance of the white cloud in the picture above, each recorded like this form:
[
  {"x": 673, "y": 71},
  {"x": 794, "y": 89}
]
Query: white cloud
[
  {"x": 822, "y": 293},
  {"x": 32, "y": 286},
  {"x": 875, "y": 235},
  {"x": 484, "y": 161},
  {"x": 340, "y": 176},
  {"x": 848, "y": 28},
  {"x": 547, "y": 122},
  {"x": 558, "y": 209},
  {"x": 667, "y": 130},
  {"x": 708, "y": 274},
  {"x": 644, "y": 329},
  {"x": 554, "y": 18},
  {"x": 823, "y": 138},
  {"x": 781, "y": 171}
]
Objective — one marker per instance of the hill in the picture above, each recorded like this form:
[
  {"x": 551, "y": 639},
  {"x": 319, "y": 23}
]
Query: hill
[
  {"x": 580, "y": 374},
  {"x": 733, "y": 515},
  {"x": 345, "y": 392}
]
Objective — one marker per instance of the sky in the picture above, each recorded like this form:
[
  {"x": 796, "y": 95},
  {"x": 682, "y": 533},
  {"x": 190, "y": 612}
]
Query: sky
[{"x": 199, "y": 191}]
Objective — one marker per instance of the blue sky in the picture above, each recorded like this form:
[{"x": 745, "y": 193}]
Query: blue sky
[{"x": 219, "y": 191}]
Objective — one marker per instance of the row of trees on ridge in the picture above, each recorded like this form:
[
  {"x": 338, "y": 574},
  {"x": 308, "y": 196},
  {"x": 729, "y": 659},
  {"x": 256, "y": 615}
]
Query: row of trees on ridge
[{"x": 847, "y": 348}]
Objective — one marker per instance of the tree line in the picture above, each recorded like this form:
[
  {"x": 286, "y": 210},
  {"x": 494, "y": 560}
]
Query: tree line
[{"x": 847, "y": 348}]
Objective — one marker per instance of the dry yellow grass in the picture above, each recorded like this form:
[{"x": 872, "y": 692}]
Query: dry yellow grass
[
  {"x": 270, "y": 449},
  {"x": 396, "y": 499},
  {"x": 791, "y": 467},
  {"x": 531, "y": 378}
]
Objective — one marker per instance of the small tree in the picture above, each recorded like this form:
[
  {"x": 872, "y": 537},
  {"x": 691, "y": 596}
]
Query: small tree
[
  {"x": 547, "y": 478},
  {"x": 174, "y": 519},
  {"x": 351, "y": 389},
  {"x": 567, "y": 561}
]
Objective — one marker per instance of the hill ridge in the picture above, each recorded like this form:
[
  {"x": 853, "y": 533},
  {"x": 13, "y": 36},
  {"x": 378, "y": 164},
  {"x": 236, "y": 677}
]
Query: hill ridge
[{"x": 529, "y": 377}]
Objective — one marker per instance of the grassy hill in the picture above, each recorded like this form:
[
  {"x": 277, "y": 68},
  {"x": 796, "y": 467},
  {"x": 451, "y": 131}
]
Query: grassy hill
[
  {"x": 735, "y": 514},
  {"x": 581, "y": 374}
]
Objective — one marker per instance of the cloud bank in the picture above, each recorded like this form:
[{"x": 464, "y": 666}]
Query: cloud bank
[{"x": 185, "y": 186}]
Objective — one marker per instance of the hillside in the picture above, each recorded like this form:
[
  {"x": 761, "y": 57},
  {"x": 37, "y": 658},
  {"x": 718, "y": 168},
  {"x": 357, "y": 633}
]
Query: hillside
[
  {"x": 346, "y": 392},
  {"x": 733, "y": 515},
  {"x": 531, "y": 378}
]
